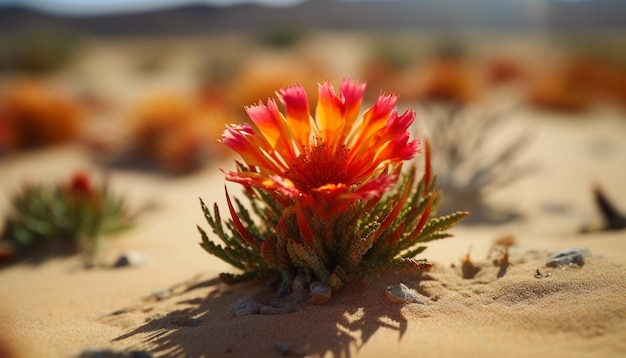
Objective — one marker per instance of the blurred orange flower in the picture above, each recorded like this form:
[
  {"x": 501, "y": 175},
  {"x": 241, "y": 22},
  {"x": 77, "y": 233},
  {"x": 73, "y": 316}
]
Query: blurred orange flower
[
  {"x": 32, "y": 114},
  {"x": 336, "y": 154},
  {"x": 177, "y": 133}
]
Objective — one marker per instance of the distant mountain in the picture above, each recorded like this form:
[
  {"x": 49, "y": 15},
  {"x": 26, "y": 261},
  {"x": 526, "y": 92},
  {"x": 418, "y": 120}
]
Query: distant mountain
[{"x": 334, "y": 14}]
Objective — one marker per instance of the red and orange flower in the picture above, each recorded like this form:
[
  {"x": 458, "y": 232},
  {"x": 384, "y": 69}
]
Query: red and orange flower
[
  {"x": 336, "y": 154},
  {"x": 326, "y": 191}
]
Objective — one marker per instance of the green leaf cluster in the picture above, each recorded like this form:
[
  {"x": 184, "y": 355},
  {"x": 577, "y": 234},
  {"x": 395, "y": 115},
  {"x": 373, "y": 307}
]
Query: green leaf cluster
[
  {"x": 44, "y": 213},
  {"x": 334, "y": 246}
]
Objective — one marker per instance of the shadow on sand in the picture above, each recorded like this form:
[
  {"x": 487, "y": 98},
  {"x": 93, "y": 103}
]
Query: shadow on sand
[
  {"x": 38, "y": 255},
  {"x": 196, "y": 319}
]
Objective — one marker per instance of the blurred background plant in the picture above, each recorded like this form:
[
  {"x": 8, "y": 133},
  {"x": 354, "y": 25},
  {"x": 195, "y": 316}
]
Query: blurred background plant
[
  {"x": 170, "y": 133},
  {"x": 470, "y": 160},
  {"x": 446, "y": 76},
  {"x": 385, "y": 64},
  {"x": 281, "y": 37},
  {"x": 77, "y": 213},
  {"x": 34, "y": 114},
  {"x": 39, "y": 50}
]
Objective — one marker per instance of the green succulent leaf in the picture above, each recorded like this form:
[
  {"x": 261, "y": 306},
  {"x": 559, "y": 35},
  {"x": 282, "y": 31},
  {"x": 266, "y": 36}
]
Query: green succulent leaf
[
  {"x": 361, "y": 241},
  {"x": 82, "y": 215}
]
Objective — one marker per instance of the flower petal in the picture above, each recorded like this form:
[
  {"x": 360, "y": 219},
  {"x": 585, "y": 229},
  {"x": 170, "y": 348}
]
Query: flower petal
[
  {"x": 328, "y": 113},
  {"x": 352, "y": 92},
  {"x": 373, "y": 188},
  {"x": 273, "y": 126},
  {"x": 373, "y": 121},
  {"x": 398, "y": 149},
  {"x": 242, "y": 139},
  {"x": 298, "y": 113}
]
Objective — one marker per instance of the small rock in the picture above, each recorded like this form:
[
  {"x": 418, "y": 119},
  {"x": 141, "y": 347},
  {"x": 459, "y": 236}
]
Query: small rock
[
  {"x": 160, "y": 294},
  {"x": 131, "y": 258},
  {"x": 400, "y": 293},
  {"x": 320, "y": 293},
  {"x": 246, "y": 306},
  {"x": 299, "y": 290},
  {"x": 572, "y": 255},
  {"x": 299, "y": 283}
]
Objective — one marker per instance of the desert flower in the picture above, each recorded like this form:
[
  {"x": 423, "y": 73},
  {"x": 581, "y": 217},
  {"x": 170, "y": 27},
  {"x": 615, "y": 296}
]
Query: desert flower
[
  {"x": 157, "y": 117},
  {"x": 174, "y": 133},
  {"x": 32, "y": 115},
  {"x": 332, "y": 199},
  {"x": 337, "y": 155},
  {"x": 446, "y": 80},
  {"x": 570, "y": 87},
  {"x": 503, "y": 70},
  {"x": 76, "y": 212}
]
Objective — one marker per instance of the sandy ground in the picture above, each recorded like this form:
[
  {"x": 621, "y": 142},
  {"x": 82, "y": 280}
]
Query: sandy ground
[
  {"x": 173, "y": 304},
  {"x": 58, "y": 308}
]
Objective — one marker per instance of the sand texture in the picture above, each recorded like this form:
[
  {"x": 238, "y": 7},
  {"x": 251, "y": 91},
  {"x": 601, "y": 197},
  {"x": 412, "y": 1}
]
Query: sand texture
[
  {"x": 578, "y": 310},
  {"x": 173, "y": 305}
]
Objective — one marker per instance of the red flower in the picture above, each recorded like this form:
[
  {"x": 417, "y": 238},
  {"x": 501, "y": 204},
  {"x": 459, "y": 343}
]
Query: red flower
[
  {"x": 337, "y": 153},
  {"x": 81, "y": 184}
]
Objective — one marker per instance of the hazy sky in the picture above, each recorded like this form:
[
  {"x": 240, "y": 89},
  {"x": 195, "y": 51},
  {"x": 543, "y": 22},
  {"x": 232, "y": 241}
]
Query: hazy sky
[
  {"x": 112, "y": 6},
  {"x": 117, "y": 6}
]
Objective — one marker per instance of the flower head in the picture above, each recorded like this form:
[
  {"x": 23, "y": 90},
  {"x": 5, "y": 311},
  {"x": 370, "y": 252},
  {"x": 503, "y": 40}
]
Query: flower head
[
  {"x": 81, "y": 193},
  {"x": 80, "y": 184},
  {"x": 337, "y": 153}
]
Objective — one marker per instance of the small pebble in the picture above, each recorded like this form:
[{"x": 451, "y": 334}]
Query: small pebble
[
  {"x": 572, "y": 255},
  {"x": 400, "y": 293},
  {"x": 246, "y": 306},
  {"x": 160, "y": 294},
  {"x": 298, "y": 284},
  {"x": 320, "y": 293},
  {"x": 131, "y": 258},
  {"x": 299, "y": 290}
]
